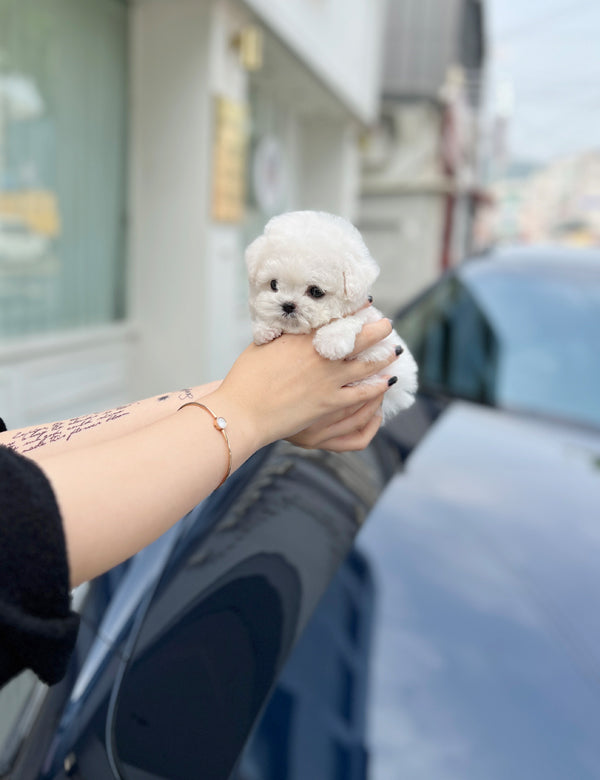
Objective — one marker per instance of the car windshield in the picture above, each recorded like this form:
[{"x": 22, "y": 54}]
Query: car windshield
[
  {"x": 520, "y": 335},
  {"x": 547, "y": 323}
]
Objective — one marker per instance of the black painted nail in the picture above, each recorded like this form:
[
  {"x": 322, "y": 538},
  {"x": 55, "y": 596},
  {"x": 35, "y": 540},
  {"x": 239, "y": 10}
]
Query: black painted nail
[
  {"x": 399, "y": 350},
  {"x": 370, "y": 299},
  {"x": 392, "y": 380}
]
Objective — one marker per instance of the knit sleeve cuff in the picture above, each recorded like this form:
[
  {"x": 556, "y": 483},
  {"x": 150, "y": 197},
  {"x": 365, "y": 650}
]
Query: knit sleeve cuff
[
  {"x": 42, "y": 644},
  {"x": 38, "y": 630}
]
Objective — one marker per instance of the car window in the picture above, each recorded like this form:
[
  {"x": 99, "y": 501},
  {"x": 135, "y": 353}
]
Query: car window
[
  {"x": 452, "y": 341},
  {"x": 547, "y": 321},
  {"x": 521, "y": 337}
]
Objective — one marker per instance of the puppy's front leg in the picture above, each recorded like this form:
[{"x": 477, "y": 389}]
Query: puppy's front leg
[
  {"x": 336, "y": 339},
  {"x": 263, "y": 333}
]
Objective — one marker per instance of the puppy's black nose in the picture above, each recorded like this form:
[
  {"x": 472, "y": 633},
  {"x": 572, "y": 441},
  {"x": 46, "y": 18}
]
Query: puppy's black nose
[{"x": 288, "y": 307}]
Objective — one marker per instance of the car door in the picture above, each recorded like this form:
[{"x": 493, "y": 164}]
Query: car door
[{"x": 190, "y": 658}]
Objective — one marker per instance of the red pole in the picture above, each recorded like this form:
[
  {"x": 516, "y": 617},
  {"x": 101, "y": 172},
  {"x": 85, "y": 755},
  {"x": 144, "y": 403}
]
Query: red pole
[{"x": 447, "y": 233}]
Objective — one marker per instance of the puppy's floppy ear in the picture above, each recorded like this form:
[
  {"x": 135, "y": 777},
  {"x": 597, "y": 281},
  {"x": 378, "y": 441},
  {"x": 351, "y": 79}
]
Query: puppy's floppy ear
[
  {"x": 358, "y": 276},
  {"x": 254, "y": 256}
]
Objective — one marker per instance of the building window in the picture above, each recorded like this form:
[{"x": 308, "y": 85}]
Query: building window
[{"x": 63, "y": 102}]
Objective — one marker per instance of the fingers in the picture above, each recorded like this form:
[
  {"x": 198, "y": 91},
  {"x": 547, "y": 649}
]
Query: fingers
[
  {"x": 357, "y": 370},
  {"x": 356, "y": 440},
  {"x": 367, "y": 391},
  {"x": 354, "y": 420},
  {"x": 335, "y": 426},
  {"x": 353, "y": 431},
  {"x": 335, "y": 417},
  {"x": 371, "y": 333}
]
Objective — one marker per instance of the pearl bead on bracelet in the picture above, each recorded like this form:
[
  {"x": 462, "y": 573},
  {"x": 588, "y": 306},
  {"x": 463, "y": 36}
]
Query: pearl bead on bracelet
[{"x": 220, "y": 423}]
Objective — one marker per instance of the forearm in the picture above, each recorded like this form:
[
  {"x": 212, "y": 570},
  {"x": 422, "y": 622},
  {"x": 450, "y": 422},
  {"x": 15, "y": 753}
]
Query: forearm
[
  {"x": 41, "y": 441},
  {"x": 128, "y": 492},
  {"x": 118, "y": 493}
]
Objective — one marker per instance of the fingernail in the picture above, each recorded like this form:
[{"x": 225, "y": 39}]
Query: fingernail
[
  {"x": 392, "y": 380},
  {"x": 399, "y": 350},
  {"x": 370, "y": 299}
]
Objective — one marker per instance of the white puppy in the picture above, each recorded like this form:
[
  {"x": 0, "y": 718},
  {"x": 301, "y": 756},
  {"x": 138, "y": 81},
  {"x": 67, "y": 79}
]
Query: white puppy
[{"x": 311, "y": 270}]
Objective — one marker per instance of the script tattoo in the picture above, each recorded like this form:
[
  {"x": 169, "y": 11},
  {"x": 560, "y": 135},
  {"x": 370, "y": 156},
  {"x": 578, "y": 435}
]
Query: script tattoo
[{"x": 39, "y": 436}]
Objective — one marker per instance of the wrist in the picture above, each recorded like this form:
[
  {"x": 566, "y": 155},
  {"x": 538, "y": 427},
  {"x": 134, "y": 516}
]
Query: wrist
[
  {"x": 220, "y": 425},
  {"x": 243, "y": 431}
]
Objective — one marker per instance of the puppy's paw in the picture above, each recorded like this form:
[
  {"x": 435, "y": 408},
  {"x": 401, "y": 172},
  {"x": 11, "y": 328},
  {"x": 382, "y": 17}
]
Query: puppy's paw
[
  {"x": 396, "y": 400},
  {"x": 401, "y": 395},
  {"x": 335, "y": 340},
  {"x": 263, "y": 334}
]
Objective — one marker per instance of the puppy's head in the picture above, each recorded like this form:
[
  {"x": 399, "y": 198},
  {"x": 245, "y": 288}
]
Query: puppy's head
[{"x": 307, "y": 268}]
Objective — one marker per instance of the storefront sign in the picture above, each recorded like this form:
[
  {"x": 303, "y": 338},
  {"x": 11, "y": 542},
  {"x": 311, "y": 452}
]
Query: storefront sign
[
  {"x": 229, "y": 160},
  {"x": 37, "y": 209}
]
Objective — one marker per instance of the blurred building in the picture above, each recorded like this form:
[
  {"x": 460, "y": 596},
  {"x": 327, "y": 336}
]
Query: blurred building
[
  {"x": 420, "y": 183},
  {"x": 558, "y": 202},
  {"x": 509, "y": 193},
  {"x": 142, "y": 145}
]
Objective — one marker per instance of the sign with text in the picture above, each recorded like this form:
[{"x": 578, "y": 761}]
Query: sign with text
[{"x": 229, "y": 160}]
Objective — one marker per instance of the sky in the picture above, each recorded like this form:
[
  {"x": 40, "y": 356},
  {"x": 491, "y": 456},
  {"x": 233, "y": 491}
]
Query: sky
[{"x": 547, "y": 54}]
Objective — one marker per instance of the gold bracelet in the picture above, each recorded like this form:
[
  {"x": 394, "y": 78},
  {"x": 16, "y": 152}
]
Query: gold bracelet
[{"x": 220, "y": 423}]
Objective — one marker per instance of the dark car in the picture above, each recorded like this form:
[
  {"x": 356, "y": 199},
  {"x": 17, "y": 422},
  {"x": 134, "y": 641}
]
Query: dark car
[
  {"x": 458, "y": 638},
  {"x": 180, "y": 647},
  {"x": 486, "y": 547}
]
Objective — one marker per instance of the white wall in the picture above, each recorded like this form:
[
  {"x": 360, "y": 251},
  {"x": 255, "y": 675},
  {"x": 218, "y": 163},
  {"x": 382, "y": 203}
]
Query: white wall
[
  {"x": 404, "y": 234},
  {"x": 170, "y": 175},
  {"x": 341, "y": 40},
  {"x": 187, "y": 273},
  {"x": 403, "y": 202},
  {"x": 186, "y": 279},
  {"x": 58, "y": 376},
  {"x": 329, "y": 171}
]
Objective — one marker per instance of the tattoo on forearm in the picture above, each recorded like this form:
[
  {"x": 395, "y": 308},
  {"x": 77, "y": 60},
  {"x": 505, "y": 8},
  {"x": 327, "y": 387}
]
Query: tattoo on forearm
[
  {"x": 39, "y": 436},
  {"x": 186, "y": 395}
]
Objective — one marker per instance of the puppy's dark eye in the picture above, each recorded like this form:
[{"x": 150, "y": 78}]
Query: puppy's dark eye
[
  {"x": 274, "y": 285},
  {"x": 315, "y": 292}
]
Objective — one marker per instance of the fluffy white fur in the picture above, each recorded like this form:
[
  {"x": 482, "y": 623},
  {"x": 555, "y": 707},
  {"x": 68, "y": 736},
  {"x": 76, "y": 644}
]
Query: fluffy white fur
[{"x": 311, "y": 270}]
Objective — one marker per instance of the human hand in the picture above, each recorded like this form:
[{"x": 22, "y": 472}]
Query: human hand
[
  {"x": 348, "y": 431},
  {"x": 278, "y": 389}
]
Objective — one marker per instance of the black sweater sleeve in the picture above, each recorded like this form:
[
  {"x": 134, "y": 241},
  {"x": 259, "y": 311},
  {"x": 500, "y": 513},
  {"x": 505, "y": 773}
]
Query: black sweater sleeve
[{"x": 37, "y": 627}]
